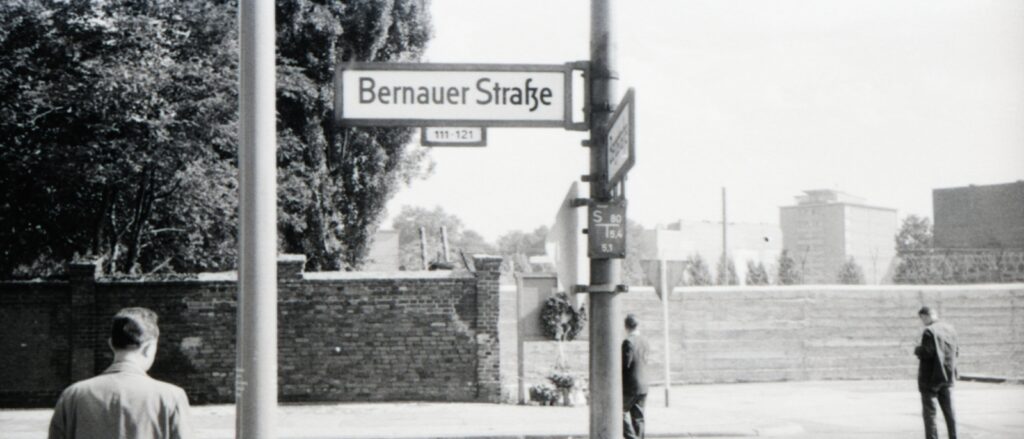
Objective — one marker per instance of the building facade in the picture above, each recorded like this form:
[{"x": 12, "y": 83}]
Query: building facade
[
  {"x": 979, "y": 217},
  {"x": 827, "y": 227}
]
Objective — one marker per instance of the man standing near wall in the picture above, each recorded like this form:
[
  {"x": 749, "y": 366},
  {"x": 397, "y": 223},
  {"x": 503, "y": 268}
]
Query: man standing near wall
[
  {"x": 937, "y": 372},
  {"x": 124, "y": 402},
  {"x": 634, "y": 379}
]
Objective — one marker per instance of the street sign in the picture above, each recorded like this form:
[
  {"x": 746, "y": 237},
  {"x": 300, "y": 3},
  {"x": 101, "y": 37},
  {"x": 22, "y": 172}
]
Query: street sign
[
  {"x": 621, "y": 139},
  {"x": 454, "y": 95},
  {"x": 606, "y": 230},
  {"x": 453, "y": 136}
]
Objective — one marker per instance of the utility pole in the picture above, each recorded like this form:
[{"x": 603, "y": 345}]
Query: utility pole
[
  {"x": 423, "y": 247},
  {"x": 666, "y": 294},
  {"x": 605, "y": 332},
  {"x": 725, "y": 244},
  {"x": 256, "y": 367},
  {"x": 444, "y": 244}
]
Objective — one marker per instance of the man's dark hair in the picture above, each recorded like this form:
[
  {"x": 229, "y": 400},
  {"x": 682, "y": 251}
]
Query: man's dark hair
[
  {"x": 631, "y": 322},
  {"x": 132, "y": 327},
  {"x": 925, "y": 311}
]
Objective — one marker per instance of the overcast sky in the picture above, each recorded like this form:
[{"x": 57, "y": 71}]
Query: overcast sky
[{"x": 886, "y": 100}]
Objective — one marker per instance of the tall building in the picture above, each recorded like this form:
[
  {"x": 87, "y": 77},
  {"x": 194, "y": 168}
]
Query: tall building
[
  {"x": 826, "y": 227},
  {"x": 979, "y": 217}
]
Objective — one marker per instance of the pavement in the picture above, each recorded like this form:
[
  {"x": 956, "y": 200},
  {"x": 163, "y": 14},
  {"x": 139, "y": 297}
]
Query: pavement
[{"x": 814, "y": 409}]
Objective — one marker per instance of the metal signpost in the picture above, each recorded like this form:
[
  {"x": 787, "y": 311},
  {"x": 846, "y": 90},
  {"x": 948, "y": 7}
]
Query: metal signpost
[
  {"x": 256, "y": 365},
  {"x": 467, "y": 96}
]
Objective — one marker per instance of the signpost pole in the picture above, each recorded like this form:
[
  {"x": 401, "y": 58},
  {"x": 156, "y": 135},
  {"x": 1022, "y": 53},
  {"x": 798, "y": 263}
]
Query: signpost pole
[
  {"x": 666, "y": 293},
  {"x": 605, "y": 333},
  {"x": 256, "y": 367}
]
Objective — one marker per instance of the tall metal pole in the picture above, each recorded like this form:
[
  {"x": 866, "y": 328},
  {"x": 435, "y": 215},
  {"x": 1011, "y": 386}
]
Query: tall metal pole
[
  {"x": 725, "y": 245},
  {"x": 605, "y": 325},
  {"x": 256, "y": 368},
  {"x": 666, "y": 293}
]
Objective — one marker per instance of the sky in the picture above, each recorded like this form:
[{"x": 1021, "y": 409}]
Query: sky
[{"x": 885, "y": 100}]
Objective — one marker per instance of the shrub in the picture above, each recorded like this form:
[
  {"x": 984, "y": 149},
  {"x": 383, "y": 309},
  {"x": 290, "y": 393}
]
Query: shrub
[
  {"x": 562, "y": 381},
  {"x": 543, "y": 395}
]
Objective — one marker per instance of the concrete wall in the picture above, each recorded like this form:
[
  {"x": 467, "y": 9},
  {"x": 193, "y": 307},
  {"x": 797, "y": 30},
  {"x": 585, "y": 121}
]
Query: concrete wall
[
  {"x": 341, "y": 336},
  {"x": 723, "y": 334}
]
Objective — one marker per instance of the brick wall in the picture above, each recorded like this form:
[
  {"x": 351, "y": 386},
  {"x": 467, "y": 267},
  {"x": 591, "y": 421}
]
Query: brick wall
[
  {"x": 821, "y": 332},
  {"x": 341, "y": 336},
  {"x": 35, "y": 342}
]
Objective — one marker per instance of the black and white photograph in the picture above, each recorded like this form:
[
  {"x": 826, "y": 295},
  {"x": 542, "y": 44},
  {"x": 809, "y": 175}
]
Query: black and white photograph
[{"x": 511, "y": 219}]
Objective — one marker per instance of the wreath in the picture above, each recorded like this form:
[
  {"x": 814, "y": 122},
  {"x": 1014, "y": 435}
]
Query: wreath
[{"x": 560, "y": 320}]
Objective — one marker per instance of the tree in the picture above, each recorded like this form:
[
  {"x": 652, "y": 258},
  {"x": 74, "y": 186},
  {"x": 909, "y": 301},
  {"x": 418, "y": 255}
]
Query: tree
[
  {"x": 916, "y": 264},
  {"x": 118, "y": 132},
  {"x": 756, "y": 274},
  {"x": 408, "y": 223},
  {"x": 117, "y": 135},
  {"x": 697, "y": 271},
  {"x": 516, "y": 247},
  {"x": 726, "y": 272},
  {"x": 850, "y": 273},
  {"x": 636, "y": 248},
  {"x": 915, "y": 235},
  {"x": 335, "y": 185},
  {"x": 788, "y": 273}
]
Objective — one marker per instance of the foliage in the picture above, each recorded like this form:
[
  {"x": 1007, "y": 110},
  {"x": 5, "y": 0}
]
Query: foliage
[
  {"x": 333, "y": 188},
  {"x": 850, "y": 273},
  {"x": 460, "y": 239},
  {"x": 562, "y": 381},
  {"x": 913, "y": 244},
  {"x": 697, "y": 271},
  {"x": 517, "y": 246},
  {"x": 915, "y": 235},
  {"x": 788, "y": 272},
  {"x": 726, "y": 272},
  {"x": 756, "y": 274},
  {"x": 560, "y": 320},
  {"x": 636, "y": 249},
  {"x": 544, "y": 395},
  {"x": 117, "y": 125},
  {"x": 979, "y": 266},
  {"x": 118, "y": 132}
]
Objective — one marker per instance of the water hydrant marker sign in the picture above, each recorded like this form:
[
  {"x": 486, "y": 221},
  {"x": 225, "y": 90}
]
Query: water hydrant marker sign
[{"x": 463, "y": 95}]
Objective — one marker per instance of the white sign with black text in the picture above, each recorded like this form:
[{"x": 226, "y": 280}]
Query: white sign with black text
[
  {"x": 621, "y": 139},
  {"x": 461, "y": 95}
]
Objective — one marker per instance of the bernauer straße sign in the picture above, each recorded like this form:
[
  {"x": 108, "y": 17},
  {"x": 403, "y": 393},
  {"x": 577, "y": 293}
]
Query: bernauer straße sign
[{"x": 473, "y": 95}]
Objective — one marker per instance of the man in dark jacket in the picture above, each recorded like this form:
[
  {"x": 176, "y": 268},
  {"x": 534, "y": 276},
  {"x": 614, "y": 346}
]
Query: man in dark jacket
[
  {"x": 937, "y": 372},
  {"x": 634, "y": 380}
]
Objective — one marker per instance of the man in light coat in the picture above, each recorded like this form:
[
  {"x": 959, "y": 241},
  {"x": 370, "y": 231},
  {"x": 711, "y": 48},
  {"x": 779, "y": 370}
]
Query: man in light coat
[{"x": 124, "y": 402}]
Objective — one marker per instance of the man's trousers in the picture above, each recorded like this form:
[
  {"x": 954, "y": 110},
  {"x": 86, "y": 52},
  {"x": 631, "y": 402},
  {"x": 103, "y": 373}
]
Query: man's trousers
[
  {"x": 944, "y": 396},
  {"x": 633, "y": 416}
]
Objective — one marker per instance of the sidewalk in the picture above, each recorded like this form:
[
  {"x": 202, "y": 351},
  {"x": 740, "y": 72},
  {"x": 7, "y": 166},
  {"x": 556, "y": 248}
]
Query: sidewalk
[{"x": 833, "y": 409}]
